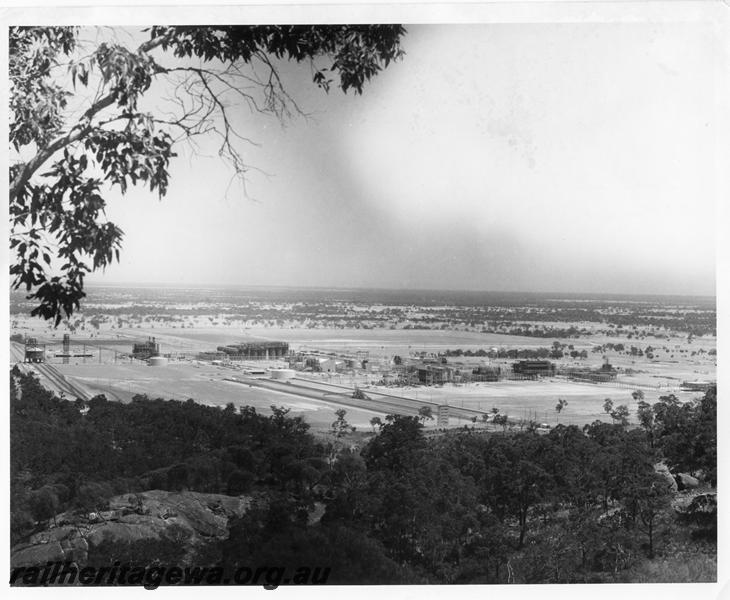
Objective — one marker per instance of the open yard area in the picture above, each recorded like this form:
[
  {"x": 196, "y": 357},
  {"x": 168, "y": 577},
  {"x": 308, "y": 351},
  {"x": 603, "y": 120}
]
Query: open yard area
[
  {"x": 534, "y": 400},
  {"x": 204, "y": 384},
  {"x": 108, "y": 370}
]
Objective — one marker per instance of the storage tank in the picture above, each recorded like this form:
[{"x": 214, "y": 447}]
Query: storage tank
[
  {"x": 282, "y": 373},
  {"x": 157, "y": 361}
]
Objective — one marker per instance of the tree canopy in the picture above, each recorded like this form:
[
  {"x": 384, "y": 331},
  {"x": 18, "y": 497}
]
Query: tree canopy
[
  {"x": 573, "y": 505},
  {"x": 80, "y": 127}
]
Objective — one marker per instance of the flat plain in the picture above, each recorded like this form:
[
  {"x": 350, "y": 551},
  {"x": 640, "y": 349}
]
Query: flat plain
[{"x": 650, "y": 358}]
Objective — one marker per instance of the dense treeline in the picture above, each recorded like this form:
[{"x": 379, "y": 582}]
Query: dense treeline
[
  {"x": 61, "y": 458},
  {"x": 576, "y": 505}
]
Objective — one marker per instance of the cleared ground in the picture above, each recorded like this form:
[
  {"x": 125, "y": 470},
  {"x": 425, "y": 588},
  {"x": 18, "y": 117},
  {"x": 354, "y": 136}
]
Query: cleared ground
[
  {"x": 204, "y": 384},
  {"x": 107, "y": 372}
]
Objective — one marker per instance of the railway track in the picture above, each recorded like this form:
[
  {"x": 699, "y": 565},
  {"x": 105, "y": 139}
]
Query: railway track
[
  {"x": 310, "y": 394},
  {"x": 16, "y": 352},
  {"x": 60, "y": 382},
  {"x": 383, "y": 403},
  {"x": 48, "y": 372},
  {"x": 388, "y": 398},
  {"x": 412, "y": 403}
]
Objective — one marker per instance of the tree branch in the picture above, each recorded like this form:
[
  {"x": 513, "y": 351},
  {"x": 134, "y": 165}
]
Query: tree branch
[{"x": 76, "y": 133}]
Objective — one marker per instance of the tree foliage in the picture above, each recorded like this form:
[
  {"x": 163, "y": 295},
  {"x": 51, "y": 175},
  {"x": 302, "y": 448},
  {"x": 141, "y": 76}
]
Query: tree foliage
[
  {"x": 80, "y": 126},
  {"x": 574, "y": 505},
  {"x": 686, "y": 433}
]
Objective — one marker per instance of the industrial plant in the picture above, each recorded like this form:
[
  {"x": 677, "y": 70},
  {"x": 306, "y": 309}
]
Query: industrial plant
[
  {"x": 264, "y": 350},
  {"x": 146, "y": 350},
  {"x": 34, "y": 352}
]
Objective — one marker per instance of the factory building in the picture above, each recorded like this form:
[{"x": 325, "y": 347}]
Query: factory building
[
  {"x": 34, "y": 352},
  {"x": 324, "y": 364},
  {"x": 435, "y": 375},
  {"x": 486, "y": 373},
  {"x": 255, "y": 350},
  {"x": 534, "y": 368},
  {"x": 146, "y": 350},
  {"x": 603, "y": 375}
]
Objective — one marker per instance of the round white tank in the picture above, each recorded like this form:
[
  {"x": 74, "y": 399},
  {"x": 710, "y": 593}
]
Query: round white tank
[
  {"x": 157, "y": 361},
  {"x": 282, "y": 373}
]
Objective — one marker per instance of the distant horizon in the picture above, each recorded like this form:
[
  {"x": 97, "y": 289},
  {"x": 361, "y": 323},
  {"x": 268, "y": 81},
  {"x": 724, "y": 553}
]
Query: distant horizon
[{"x": 229, "y": 286}]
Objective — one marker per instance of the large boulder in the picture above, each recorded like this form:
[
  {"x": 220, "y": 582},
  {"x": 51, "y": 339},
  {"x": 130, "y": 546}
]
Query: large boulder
[
  {"x": 686, "y": 482},
  {"x": 662, "y": 469}
]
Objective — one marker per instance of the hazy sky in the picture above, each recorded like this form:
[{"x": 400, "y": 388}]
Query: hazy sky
[{"x": 526, "y": 157}]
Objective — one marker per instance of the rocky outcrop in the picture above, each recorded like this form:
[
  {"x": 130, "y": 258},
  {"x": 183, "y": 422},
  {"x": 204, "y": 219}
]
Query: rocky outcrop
[
  {"x": 685, "y": 481},
  {"x": 662, "y": 469},
  {"x": 695, "y": 503},
  {"x": 148, "y": 515}
]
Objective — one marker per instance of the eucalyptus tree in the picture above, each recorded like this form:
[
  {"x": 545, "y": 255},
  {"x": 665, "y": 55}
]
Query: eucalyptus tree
[{"x": 81, "y": 124}]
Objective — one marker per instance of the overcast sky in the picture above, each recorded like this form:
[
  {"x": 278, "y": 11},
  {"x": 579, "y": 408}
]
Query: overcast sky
[{"x": 524, "y": 157}]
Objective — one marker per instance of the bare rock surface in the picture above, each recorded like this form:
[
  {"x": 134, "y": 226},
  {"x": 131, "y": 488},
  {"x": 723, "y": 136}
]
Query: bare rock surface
[
  {"x": 663, "y": 470},
  {"x": 686, "y": 481},
  {"x": 131, "y": 517}
]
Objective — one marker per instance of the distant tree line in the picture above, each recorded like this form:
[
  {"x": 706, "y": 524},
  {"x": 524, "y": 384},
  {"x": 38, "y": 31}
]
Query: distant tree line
[
  {"x": 535, "y": 318},
  {"x": 558, "y": 350}
]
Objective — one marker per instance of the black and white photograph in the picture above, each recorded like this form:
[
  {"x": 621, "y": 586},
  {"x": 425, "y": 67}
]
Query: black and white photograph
[{"x": 367, "y": 295}]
